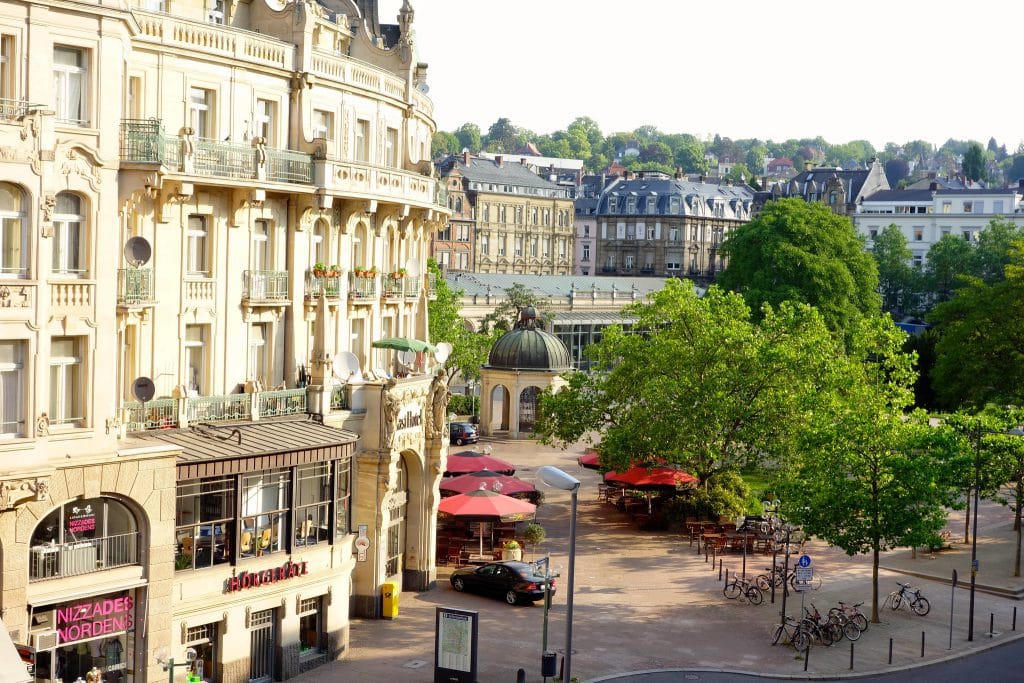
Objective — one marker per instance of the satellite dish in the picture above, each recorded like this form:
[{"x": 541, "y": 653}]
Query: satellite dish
[
  {"x": 423, "y": 88},
  {"x": 406, "y": 357},
  {"x": 412, "y": 266},
  {"x": 143, "y": 389},
  {"x": 137, "y": 251},
  {"x": 346, "y": 367},
  {"x": 444, "y": 349}
]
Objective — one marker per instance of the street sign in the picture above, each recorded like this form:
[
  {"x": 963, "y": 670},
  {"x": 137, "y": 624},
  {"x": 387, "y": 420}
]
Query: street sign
[
  {"x": 804, "y": 561},
  {"x": 542, "y": 564}
]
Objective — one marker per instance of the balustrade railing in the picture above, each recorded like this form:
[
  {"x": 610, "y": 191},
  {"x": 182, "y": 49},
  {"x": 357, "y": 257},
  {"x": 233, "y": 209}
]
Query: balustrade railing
[
  {"x": 330, "y": 285},
  {"x": 286, "y": 166},
  {"x": 391, "y": 286},
  {"x": 160, "y": 413},
  {"x": 224, "y": 159},
  {"x": 219, "y": 408},
  {"x": 283, "y": 402},
  {"x": 265, "y": 285},
  {"x": 363, "y": 287},
  {"x": 51, "y": 561},
  {"x": 134, "y": 286}
]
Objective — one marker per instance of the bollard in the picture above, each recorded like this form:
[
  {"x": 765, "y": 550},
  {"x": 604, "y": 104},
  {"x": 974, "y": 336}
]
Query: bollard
[
  {"x": 1014, "y": 626},
  {"x": 922, "y": 643},
  {"x": 851, "y": 655},
  {"x": 890, "y": 650},
  {"x": 720, "y": 572},
  {"x": 691, "y": 538},
  {"x": 705, "y": 553},
  {"x": 807, "y": 656},
  {"x": 991, "y": 624},
  {"x": 714, "y": 554},
  {"x": 727, "y": 576}
]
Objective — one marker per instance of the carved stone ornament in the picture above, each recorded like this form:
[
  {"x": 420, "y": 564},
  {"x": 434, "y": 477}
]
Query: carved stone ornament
[
  {"x": 43, "y": 425},
  {"x": 17, "y": 491}
]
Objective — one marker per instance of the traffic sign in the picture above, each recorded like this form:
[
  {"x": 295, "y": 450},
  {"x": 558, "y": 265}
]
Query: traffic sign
[
  {"x": 802, "y": 577},
  {"x": 804, "y": 561}
]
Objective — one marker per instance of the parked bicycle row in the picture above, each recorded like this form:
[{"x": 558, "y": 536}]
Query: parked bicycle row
[{"x": 844, "y": 621}]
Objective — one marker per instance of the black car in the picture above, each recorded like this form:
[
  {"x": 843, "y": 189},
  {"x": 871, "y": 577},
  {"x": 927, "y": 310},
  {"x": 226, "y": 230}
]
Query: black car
[
  {"x": 462, "y": 433},
  {"x": 516, "y": 582}
]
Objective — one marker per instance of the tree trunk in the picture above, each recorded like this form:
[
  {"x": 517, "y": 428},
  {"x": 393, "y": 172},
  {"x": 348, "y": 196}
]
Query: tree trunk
[{"x": 874, "y": 585}]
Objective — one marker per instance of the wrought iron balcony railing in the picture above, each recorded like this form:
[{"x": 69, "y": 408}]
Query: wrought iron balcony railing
[
  {"x": 134, "y": 286},
  {"x": 330, "y": 285},
  {"x": 265, "y": 285},
  {"x": 83, "y": 557}
]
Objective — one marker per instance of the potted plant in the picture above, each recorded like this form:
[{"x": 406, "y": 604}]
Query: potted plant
[
  {"x": 372, "y": 272},
  {"x": 534, "y": 535},
  {"x": 319, "y": 269},
  {"x": 334, "y": 270},
  {"x": 511, "y": 550}
]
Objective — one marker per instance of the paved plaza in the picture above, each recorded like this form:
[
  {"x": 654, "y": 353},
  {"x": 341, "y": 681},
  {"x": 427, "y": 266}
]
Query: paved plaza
[{"x": 648, "y": 601}]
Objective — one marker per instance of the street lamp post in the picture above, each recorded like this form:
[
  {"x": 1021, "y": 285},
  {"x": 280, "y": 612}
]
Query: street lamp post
[
  {"x": 974, "y": 533},
  {"x": 556, "y": 478}
]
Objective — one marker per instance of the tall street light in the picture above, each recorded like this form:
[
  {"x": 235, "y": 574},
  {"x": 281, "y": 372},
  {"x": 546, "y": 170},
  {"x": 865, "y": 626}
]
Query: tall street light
[
  {"x": 974, "y": 532},
  {"x": 556, "y": 478}
]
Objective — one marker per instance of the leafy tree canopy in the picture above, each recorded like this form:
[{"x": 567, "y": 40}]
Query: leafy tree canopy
[
  {"x": 469, "y": 349},
  {"x": 505, "y": 315},
  {"x": 974, "y": 162},
  {"x": 801, "y": 251},
  {"x": 898, "y": 281}
]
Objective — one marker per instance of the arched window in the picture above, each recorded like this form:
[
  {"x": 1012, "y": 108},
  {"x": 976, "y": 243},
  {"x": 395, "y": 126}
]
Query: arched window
[
  {"x": 396, "y": 527},
  {"x": 13, "y": 232},
  {"x": 68, "y": 236},
  {"x": 83, "y": 536}
]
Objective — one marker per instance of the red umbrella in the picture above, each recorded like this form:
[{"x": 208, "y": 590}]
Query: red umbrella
[
  {"x": 473, "y": 461},
  {"x": 487, "y": 480},
  {"x": 486, "y": 506},
  {"x": 640, "y": 477},
  {"x": 590, "y": 460}
]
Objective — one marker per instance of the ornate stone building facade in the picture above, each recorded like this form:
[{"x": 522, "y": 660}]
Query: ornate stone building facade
[
  {"x": 517, "y": 223},
  {"x": 210, "y": 212}
]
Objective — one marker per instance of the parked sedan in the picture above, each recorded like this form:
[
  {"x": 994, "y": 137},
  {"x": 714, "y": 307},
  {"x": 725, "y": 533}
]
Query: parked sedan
[
  {"x": 463, "y": 433},
  {"x": 516, "y": 582}
]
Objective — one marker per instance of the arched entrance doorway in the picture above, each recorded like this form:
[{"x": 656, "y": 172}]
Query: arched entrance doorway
[
  {"x": 499, "y": 409},
  {"x": 528, "y": 408}
]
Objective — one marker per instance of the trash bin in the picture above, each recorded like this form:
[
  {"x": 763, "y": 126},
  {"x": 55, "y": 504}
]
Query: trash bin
[
  {"x": 389, "y": 595},
  {"x": 549, "y": 664}
]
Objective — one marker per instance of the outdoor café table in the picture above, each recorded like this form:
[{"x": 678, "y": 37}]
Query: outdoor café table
[
  {"x": 715, "y": 540},
  {"x": 475, "y": 558}
]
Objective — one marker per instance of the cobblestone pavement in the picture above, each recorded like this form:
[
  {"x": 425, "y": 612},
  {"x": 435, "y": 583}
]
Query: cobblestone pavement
[{"x": 647, "y": 601}]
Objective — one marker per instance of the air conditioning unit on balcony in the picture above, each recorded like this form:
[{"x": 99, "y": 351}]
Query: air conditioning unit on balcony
[{"x": 44, "y": 640}]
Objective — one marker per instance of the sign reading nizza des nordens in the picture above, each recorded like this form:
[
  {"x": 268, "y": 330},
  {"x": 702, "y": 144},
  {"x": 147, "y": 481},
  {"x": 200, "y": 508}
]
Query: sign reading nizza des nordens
[{"x": 245, "y": 580}]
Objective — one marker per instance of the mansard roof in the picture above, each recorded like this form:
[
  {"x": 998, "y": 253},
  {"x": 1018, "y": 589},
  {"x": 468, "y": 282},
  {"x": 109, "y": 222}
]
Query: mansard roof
[{"x": 490, "y": 171}]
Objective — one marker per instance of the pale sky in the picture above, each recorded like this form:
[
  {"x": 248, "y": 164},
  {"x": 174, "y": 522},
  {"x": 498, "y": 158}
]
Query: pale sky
[{"x": 884, "y": 71}]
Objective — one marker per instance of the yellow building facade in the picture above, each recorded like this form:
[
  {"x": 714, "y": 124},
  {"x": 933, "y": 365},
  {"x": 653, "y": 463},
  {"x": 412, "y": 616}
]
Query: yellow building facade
[{"x": 209, "y": 211}]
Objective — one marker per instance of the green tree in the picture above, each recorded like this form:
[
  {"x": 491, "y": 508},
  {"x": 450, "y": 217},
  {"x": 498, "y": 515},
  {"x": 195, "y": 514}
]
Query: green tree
[
  {"x": 505, "y": 315},
  {"x": 991, "y": 254},
  {"x": 867, "y": 478},
  {"x": 895, "y": 171},
  {"x": 978, "y": 355},
  {"x": 974, "y": 162},
  {"x": 690, "y": 157},
  {"x": 469, "y": 349},
  {"x": 1016, "y": 169},
  {"x": 740, "y": 174},
  {"x": 656, "y": 153},
  {"x": 897, "y": 280},
  {"x": 589, "y": 128},
  {"x": 696, "y": 382},
  {"x": 800, "y": 251},
  {"x": 444, "y": 143},
  {"x": 469, "y": 137},
  {"x": 949, "y": 259},
  {"x": 501, "y": 136},
  {"x": 755, "y": 158}
]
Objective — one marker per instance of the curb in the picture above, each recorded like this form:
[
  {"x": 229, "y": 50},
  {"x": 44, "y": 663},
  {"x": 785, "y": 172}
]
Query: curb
[{"x": 946, "y": 580}]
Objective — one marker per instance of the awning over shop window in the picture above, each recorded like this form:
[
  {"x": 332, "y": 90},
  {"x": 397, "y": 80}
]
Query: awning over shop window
[{"x": 12, "y": 669}]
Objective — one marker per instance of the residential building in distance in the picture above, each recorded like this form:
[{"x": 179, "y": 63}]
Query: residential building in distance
[
  {"x": 925, "y": 216},
  {"x": 652, "y": 224},
  {"x": 211, "y": 210},
  {"x": 522, "y": 223},
  {"x": 840, "y": 189}
]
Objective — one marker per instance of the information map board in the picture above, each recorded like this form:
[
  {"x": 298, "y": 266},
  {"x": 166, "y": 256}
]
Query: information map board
[{"x": 455, "y": 645}]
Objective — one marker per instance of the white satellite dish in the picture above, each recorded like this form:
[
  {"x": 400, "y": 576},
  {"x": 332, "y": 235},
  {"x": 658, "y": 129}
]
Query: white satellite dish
[
  {"x": 406, "y": 357},
  {"x": 412, "y": 266},
  {"x": 346, "y": 367},
  {"x": 444, "y": 349}
]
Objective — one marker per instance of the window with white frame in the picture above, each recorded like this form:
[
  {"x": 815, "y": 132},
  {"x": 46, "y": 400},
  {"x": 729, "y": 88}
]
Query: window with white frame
[
  {"x": 13, "y": 232},
  {"x": 258, "y": 365},
  {"x": 197, "y": 257},
  {"x": 312, "y": 638},
  {"x": 947, "y": 207},
  {"x": 518, "y": 246},
  {"x": 627, "y": 261},
  {"x": 444, "y": 258},
  {"x": 313, "y": 498},
  {"x": 261, "y": 245},
  {"x": 70, "y": 85},
  {"x": 485, "y": 245},
  {"x": 546, "y": 247},
  {"x": 918, "y": 234},
  {"x": 12, "y": 382},
  {"x": 155, "y": 5},
  {"x": 362, "y": 147},
  {"x": 673, "y": 234},
  {"x": 323, "y": 124},
  {"x": 195, "y": 358},
  {"x": 266, "y": 121},
  {"x": 502, "y": 245},
  {"x": 201, "y": 110},
  {"x": 586, "y": 252},
  {"x": 462, "y": 233},
  {"x": 533, "y": 246},
  {"x": 66, "y": 376},
  {"x": 7, "y": 82},
  {"x": 968, "y": 207},
  {"x": 561, "y": 247},
  {"x": 463, "y": 263},
  {"x": 67, "y": 235},
  {"x": 391, "y": 148}
]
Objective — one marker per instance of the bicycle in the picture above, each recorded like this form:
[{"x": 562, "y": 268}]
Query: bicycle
[
  {"x": 912, "y": 596},
  {"x": 795, "y": 635},
  {"x": 820, "y": 627},
  {"x": 764, "y": 581},
  {"x": 743, "y": 586},
  {"x": 848, "y": 612}
]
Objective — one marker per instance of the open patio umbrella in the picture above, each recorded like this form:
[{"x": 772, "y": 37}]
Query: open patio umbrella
[
  {"x": 464, "y": 462},
  {"x": 404, "y": 344},
  {"x": 590, "y": 460},
  {"x": 489, "y": 481},
  {"x": 486, "y": 506},
  {"x": 661, "y": 476}
]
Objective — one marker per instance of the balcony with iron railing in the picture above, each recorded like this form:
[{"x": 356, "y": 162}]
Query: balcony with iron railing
[
  {"x": 144, "y": 141},
  {"x": 134, "y": 286},
  {"x": 432, "y": 285},
  {"x": 363, "y": 288},
  {"x": 265, "y": 286},
  {"x": 58, "y": 560},
  {"x": 330, "y": 285},
  {"x": 12, "y": 110}
]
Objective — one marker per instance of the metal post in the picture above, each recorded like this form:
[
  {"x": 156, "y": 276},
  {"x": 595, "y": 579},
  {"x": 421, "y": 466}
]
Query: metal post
[
  {"x": 744, "y": 549},
  {"x": 952, "y": 601},
  {"x": 1014, "y": 627},
  {"x": 775, "y": 564},
  {"x": 974, "y": 533},
  {"x": 890, "y": 650},
  {"x": 807, "y": 656},
  {"x": 851, "y": 655},
  {"x": 567, "y": 676},
  {"x": 922, "y": 643},
  {"x": 991, "y": 624},
  {"x": 785, "y": 571},
  {"x": 547, "y": 604},
  {"x": 720, "y": 578}
]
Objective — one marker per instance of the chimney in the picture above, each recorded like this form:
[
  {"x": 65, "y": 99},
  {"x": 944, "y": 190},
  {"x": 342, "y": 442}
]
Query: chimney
[
  {"x": 701, "y": 178},
  {"x": 807, "y": 166},
  {"x": 499, "y": 160},
  {"x": 679, "y": 173},
  {"x": 933, "y": 186},
  {"x": 522, "y": 161},
  {"x": 465, "y": 157}
]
